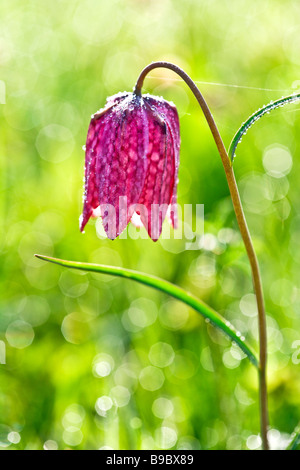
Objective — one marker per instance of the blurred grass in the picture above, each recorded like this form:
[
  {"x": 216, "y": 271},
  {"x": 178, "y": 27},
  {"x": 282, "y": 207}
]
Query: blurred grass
[{"x": 92, "y": 362}]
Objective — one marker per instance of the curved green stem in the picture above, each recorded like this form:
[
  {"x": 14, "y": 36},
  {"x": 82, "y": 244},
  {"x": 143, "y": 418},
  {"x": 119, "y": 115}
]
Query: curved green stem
[
  {"x": 199, "y": 97},
  {"x": 168, "y": 288},
  {"x": 243, "y": 227},
  {"x": 262, "y": 328}
]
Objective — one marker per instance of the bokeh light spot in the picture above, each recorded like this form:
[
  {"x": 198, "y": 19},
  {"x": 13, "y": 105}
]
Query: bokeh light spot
[
  {"x": 120, "y": 395},
  {"x": 103, "y": 405},
  {"x": 73, "y": 284},
  {"x": 14, "y": 437},
  {"x": 161, "y": 354},
  {"x": 74, "y": 329},
  {"x": 36, "y": 310},
  {"x": 173, "y": 315},
  {"x": 248, "y": 305},
  {"x": 55, "y": 143},
  {"x": 72, "y": 436},
  {"x": 253, "y": 442},
  {"x": 165, "y": 437},
  {"x": 151, "y": 378},
  {"x": 19, "y": 334},
  {"x": 162, "y": 408},
  {"x": 277, "y": 161},
  {"x": 50, "y": 445},
  {"x": 184, "y": 365},
  {"x": 103, "y": 364}
]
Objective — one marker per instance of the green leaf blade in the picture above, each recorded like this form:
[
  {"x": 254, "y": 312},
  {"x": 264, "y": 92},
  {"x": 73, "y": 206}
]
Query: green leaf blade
[
  {"x": 167, "y": 287},
  {"x": 255, "y": 117}
]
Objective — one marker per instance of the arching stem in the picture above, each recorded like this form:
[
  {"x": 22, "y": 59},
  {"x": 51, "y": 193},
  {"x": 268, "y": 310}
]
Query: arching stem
[{"x": 241, "y": 220}]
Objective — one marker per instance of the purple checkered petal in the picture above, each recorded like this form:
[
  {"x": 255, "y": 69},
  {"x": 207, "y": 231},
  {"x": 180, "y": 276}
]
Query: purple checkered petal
[
  {"x": 169, "y": 112},
  {"x": 158, "y": 188},
  {"x": 132, "y": 158},
  {"x": 116, "y": 162}
]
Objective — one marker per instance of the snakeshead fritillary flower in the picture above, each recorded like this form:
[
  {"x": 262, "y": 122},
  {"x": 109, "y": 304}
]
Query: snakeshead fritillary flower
[{"x": 131, "y": 164}]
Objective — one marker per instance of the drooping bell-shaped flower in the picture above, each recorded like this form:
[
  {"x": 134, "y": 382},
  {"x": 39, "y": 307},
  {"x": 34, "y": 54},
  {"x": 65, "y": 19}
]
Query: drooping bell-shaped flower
[{"x": 131, "y": 164}]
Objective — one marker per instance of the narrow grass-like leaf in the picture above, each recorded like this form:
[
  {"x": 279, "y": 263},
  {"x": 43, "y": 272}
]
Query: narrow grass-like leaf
[
  {"x": 257, "y": 115},
  {"x": 177, "y": 292},
  {"x": 295, "y": 442}
]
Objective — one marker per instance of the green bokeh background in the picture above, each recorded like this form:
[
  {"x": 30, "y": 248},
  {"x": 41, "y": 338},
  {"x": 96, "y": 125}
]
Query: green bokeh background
[{"x": 96, "y": 362}]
